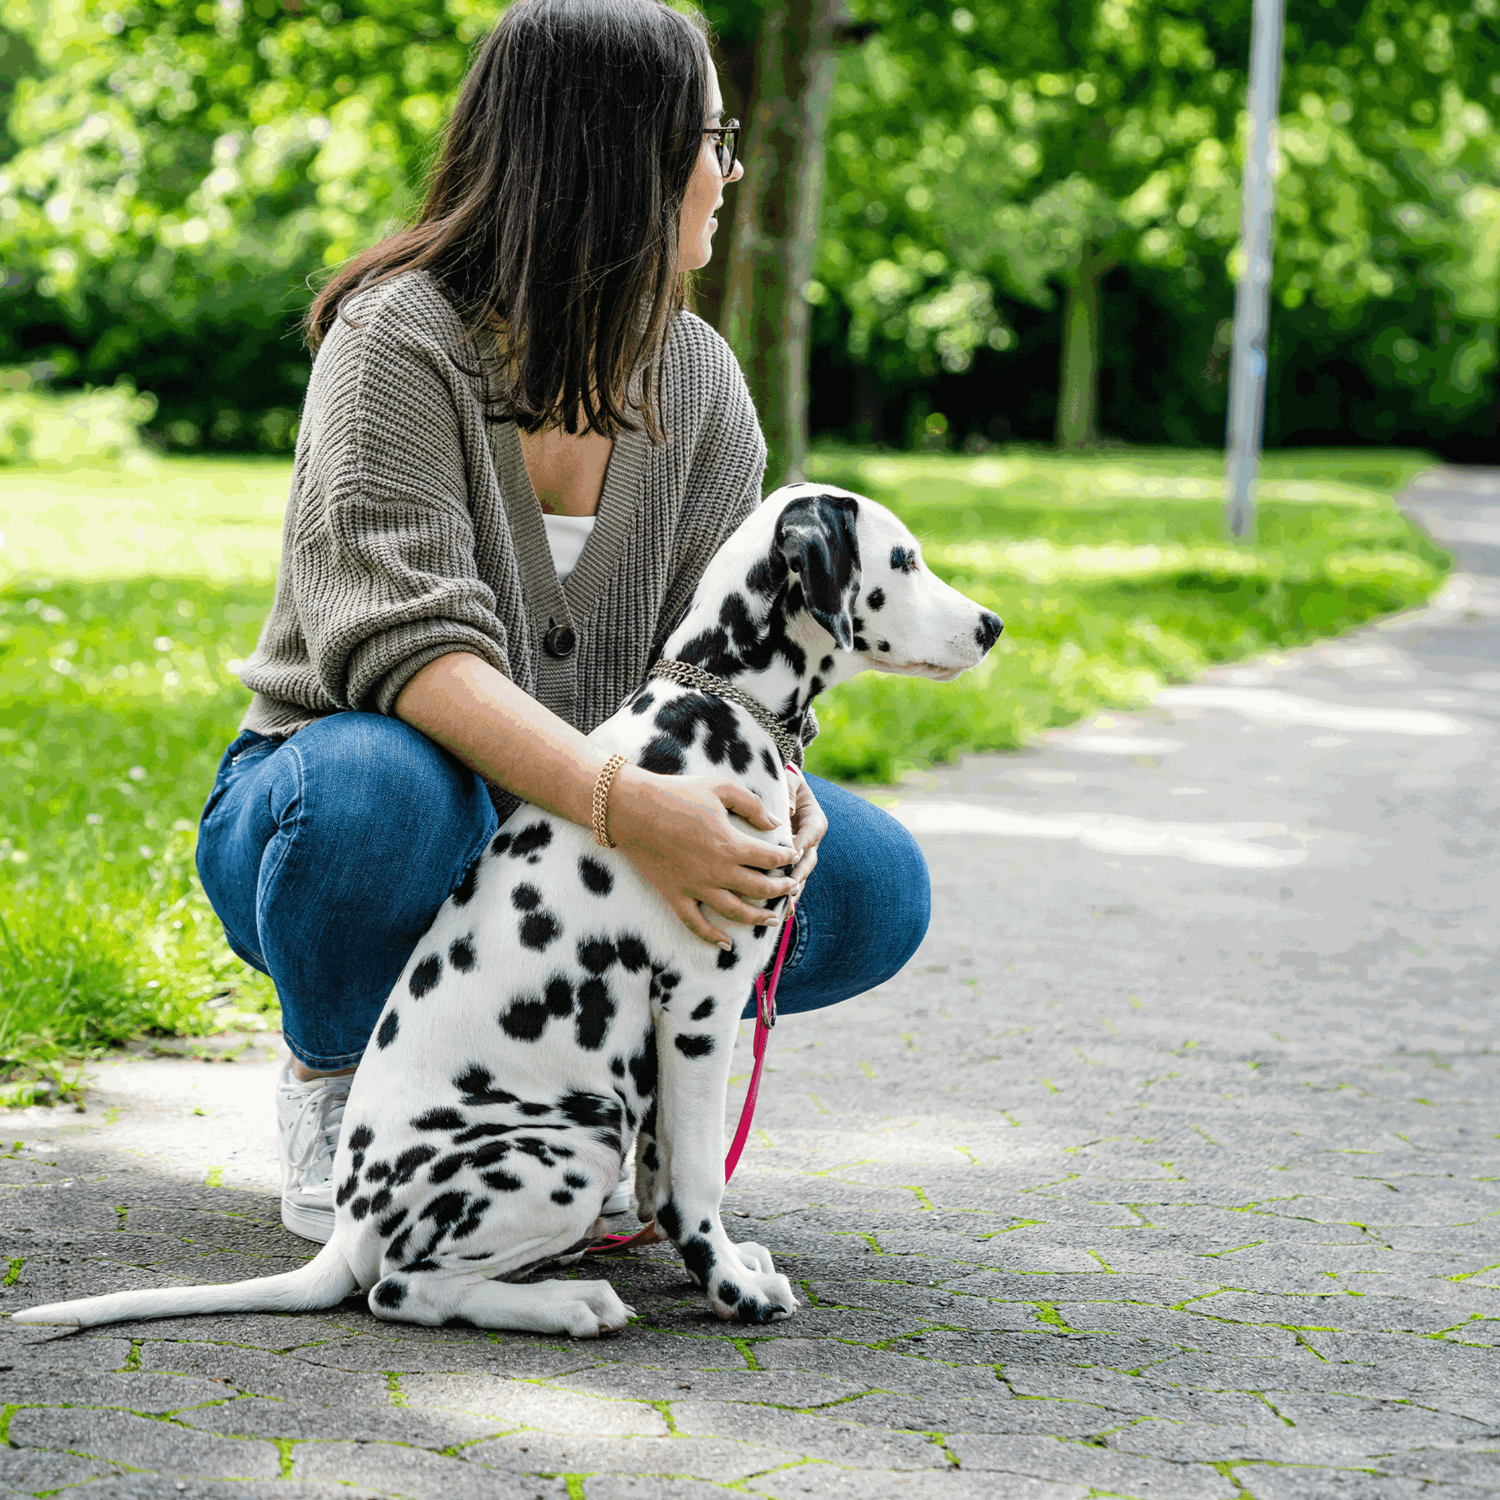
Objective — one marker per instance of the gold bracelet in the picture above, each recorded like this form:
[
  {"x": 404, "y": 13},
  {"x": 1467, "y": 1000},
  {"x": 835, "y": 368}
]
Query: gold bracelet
[{"x": 601, "y": 801}]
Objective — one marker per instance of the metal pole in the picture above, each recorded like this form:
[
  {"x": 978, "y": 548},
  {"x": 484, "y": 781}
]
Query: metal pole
[{"x": 1252, "y": 296}]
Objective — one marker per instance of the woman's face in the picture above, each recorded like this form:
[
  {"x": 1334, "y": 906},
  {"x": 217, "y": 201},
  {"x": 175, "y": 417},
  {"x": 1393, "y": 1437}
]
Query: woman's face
[{"x": 695, "y": 243}]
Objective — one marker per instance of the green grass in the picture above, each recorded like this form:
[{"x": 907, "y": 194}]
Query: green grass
[
  {"x": 1113, "y": 577},
  {"x": 125, "y": 601}
]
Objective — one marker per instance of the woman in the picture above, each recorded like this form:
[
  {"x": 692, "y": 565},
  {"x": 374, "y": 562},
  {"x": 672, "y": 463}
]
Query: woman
[{"x": 516, "y": 457}]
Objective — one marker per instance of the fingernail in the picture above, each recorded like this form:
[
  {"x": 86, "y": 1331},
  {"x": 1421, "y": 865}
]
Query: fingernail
[{"x": 727, "y": 946}]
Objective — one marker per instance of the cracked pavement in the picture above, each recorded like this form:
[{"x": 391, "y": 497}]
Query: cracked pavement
[{"x": 1167, "y": 1169}]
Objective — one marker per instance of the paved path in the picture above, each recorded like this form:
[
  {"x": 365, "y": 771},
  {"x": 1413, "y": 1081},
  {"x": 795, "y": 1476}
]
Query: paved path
[{"x": 1167, "y": 1169}]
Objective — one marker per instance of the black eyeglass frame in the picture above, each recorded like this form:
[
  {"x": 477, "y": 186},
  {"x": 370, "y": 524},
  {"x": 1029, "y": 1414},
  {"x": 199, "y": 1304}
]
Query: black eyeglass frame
[{"x": 728, "y": 134}]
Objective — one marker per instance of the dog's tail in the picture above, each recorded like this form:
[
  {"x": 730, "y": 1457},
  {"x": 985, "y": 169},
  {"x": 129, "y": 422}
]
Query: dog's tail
[{"x": 322, "y": 1282}]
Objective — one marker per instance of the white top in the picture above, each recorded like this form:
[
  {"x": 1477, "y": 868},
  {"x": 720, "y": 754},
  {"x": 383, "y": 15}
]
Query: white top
[{"x": 567, "y": 536}]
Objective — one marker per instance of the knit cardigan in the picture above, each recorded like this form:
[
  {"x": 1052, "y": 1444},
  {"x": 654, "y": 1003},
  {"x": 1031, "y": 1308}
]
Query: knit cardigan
[{"x": 413, "y": 530}]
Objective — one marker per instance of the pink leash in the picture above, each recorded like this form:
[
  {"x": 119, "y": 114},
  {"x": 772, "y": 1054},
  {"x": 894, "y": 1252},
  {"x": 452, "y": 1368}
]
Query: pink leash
[{"x": 765, "y": 1019}]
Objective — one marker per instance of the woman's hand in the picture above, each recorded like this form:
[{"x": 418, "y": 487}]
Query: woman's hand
[
  {"x": 809, "y": 824},
  {"x": 677, "y": 833}
]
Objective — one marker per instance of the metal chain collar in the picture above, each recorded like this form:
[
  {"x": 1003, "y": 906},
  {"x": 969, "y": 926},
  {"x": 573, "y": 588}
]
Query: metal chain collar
[{"x": 685, "y": 674}]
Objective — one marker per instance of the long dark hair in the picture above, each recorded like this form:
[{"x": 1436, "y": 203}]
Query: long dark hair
[{"x": 551, "y": 218}]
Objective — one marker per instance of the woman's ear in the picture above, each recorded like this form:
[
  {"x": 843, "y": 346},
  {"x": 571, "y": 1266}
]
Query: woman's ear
[{"x": 815, "y": 534}]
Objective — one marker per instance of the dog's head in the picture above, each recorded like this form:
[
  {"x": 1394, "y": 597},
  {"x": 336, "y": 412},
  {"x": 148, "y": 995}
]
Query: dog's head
[{"x": 860, "y": 579}]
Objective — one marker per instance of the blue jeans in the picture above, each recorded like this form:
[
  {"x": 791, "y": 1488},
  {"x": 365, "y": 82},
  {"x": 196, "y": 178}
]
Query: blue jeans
[{"x": 327, "y": 855}]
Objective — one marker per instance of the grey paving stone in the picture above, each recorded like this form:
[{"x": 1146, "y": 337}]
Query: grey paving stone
[
  {"x": 255, "y": 1417},
  {"x": 164, "y": 1487},
  {"x": 1082, "y": 1463},
  {"x": 759, "y": 1387},
  {"x": 25, "y": 1471},
  {"x": 388, "y": 1468},
  {"x": 141, "y": 1443},
  {"x": 1302, "y": 1482},
  {"x": 263, "y": 1372},
  {"x": 692, "y": 1458},
  {"x": 828, "y": 1434},
  {"x": 506, "y": 1404},
  {"x": 133, "y": 1391},
  {"x": 808, "y": 1480}
]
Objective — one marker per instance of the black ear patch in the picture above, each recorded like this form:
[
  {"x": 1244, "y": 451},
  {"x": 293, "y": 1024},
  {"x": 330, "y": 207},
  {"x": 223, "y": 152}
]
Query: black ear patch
[{"x": 815, "y": 535}]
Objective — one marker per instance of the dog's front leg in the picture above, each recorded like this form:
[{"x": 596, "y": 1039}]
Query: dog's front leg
[{"x": 695, "y": 1042}]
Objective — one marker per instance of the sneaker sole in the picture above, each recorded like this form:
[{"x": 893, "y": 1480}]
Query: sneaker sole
[{"x": 311, "y": 1223}]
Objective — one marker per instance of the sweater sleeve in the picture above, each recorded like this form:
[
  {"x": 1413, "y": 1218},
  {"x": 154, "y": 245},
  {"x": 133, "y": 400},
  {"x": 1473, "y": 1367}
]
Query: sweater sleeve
[{"x": 383, "y": 563}]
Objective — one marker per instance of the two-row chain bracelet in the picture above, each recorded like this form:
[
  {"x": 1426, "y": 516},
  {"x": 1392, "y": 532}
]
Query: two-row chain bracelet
[{"x": 601, "y": 801}]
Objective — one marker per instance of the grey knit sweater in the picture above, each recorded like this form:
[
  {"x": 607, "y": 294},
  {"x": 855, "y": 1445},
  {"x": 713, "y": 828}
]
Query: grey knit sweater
[{"x": 413, "y": 531}]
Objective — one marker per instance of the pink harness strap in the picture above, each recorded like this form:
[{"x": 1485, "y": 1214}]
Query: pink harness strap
[{"x": 765, "y": 1019}]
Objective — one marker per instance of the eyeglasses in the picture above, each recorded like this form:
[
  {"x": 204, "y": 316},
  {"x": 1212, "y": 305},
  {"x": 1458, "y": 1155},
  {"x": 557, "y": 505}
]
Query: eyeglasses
[{"x": 727, "y": 145}]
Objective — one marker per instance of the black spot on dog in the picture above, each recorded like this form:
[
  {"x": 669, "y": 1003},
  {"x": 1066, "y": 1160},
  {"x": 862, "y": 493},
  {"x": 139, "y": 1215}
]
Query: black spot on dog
[
  {"x": 558, "y": 996},
  {"x": 643, "y": 701},
  {"x": 662, "y": 756},
  {"x": 696, "y": 1045},
  {"x": 391, "y": 1223},
  {"x": 704, "y": 1226},
  {"x": 882, "y": 645},
  {"x": 573, "y": 1180},
  {"x": 561, "y": 1195},
  {"x": 525, "y": 897},
  {"x": 766, "y": 576},
  {"x": 814, "y": 687},
  {"x": 377, "y": 1172},
  {"x": 595, "y": 876},
  {"x": 632, "y": 953},
  {"x": 531, "y": 1108},
  {"x": 698, "y": 1257},
  {"x": 390, "y": 1293},
  {"x": 347, "y": 1190},
  {"x": 758, "y": 932},
  {"x": 643, "y": 1071},
  {"x": 397, "y": 1247},
  {"x": 502, "y": 1182},
  {"x": 680, "y": 719},
  {"x": 861, "y": 644},
  {"x": 388, "y": 1029},
  {"x": 539, "y": 929},
  {"x": 596, "y": 954},
  {"x": 875, "y": 599},
  {"x": 650, "y": 1157},
  {"x": 438, "y": 1119},
  {"x": 727, "y": 958},
  {"x": 703, "y": 1009},
  {"x": 477, "y": 1085},
  {"x": 596, "y": 1008},
  {"x": 425, "y": 976},
  {"x": 471, "y": 1220},
  {"x": 903, "y": 559},
  {"x": 729, "y": 1293},
  {"x": 411, "y": 1161},
  {"x": 448, "y": 1166},
  {"x": 499, "y": 844},
  {"x": 446, "y": 1209},
  {"x": 360, "y": 1207},
  {"x": 525, "y": 1020},
  {"x": 381, "y": 1201},
  {"x": 463, "y": 892},
  {"x": 617, "y": 1066},
  {"x": 361, "y": 1138},
  {"x": 530, "y": 840},
  {"x": 768, "y": 762},
  {"x": 670, "y": 1220},
  {"x": 461, "y": 954}
]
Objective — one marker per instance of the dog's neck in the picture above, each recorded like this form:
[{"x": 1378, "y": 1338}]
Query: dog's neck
[{"x": 759, "y": 637}]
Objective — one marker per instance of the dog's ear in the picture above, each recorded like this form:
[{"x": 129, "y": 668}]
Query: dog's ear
[{"x": 815, "y": 536}]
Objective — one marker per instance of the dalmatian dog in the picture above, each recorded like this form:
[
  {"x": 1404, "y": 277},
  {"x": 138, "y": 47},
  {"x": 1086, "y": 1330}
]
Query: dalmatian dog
[{"x": 557, "y": 1015}]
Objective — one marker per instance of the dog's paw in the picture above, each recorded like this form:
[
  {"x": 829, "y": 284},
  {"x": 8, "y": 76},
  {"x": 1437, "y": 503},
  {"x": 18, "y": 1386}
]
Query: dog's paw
[
  {"x": 583, "y": 1309},
  {"x": 752, "y": 1298},
  {"x": 751, "y": 1292}
]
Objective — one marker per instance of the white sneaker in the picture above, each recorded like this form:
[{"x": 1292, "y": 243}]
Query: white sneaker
[{"x": 310, "y": 1115}]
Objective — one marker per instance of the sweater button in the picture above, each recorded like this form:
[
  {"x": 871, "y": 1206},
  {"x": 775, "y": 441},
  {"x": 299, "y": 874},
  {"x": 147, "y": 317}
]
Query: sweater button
[{"x": 560, "y": 641}]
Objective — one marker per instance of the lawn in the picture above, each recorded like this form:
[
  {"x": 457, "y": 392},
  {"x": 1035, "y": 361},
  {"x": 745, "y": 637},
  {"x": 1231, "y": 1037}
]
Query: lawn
[{"x": 126, "y": 600}]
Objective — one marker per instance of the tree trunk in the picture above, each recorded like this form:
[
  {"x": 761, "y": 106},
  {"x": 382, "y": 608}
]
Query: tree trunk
[
  {"x": 766, "y": 317},
  {"x": 1078, "y": 387}
]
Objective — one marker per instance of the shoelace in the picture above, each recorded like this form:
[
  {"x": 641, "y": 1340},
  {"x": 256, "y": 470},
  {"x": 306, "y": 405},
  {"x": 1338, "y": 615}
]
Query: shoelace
[{"x": 315, "y": 1130}]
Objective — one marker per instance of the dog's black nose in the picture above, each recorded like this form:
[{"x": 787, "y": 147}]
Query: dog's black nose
[{"x": 987, "y": 631}]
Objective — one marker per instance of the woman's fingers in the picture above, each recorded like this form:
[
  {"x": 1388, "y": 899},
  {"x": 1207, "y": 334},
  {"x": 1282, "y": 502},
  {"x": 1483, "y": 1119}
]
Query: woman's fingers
[
  {"x": 745, "y": 804},
  {"x": 693, "y": 919}
]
